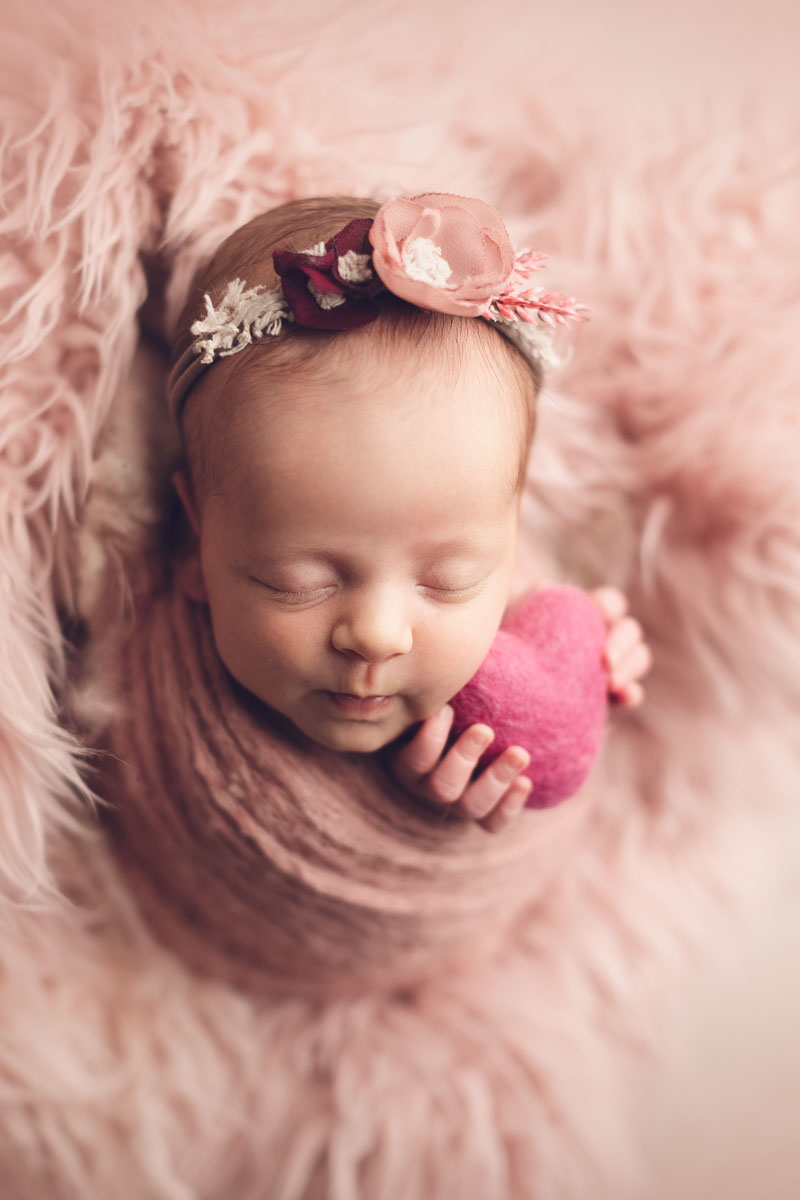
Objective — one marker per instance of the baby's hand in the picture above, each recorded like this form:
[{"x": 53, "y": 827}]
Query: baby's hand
[
  {"x": 627, "y": 656},
  {"x": 492, "y": 799}
]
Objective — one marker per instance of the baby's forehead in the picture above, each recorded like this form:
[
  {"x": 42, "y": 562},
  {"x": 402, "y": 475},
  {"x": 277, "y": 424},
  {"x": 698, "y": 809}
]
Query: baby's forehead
[
  {"x": 274, "y": 402},
  {"x": 373, "y": 356},
  {"x": 358, "y": 389}
]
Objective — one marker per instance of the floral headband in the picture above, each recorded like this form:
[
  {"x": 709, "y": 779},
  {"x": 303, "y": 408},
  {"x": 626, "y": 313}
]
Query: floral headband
[{"x": 446, "y": 253}]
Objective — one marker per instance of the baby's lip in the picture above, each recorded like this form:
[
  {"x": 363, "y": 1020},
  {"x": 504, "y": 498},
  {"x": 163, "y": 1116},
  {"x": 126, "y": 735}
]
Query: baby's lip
[
  {"x": 356, "y": 694},
  {"x": 363, "y": 689},
  {"x": 359, "y": 707}
]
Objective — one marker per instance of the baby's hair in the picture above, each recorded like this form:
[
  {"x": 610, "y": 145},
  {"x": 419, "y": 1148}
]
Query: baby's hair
[{"x": 247, "y": 254}]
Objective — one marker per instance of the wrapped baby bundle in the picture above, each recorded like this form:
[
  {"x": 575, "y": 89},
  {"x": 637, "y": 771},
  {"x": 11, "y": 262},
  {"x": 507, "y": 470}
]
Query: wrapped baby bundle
[
  {"x": 668, "y": 466},
  {"x": 278, "y": 865}
]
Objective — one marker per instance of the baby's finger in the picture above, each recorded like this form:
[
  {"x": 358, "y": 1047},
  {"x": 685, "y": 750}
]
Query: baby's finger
[
  {"x": 630, "y": 695},
  {"x": 447, "y": 781},
  {"x": 626, "y": 634},
  {"x": 509, "y": 807},
  {"x": 419, "y": 756},
  {"x": 612, "y": 603},
  {"x": 633, "y": 665},
  {"x": 491, "y": 785}
]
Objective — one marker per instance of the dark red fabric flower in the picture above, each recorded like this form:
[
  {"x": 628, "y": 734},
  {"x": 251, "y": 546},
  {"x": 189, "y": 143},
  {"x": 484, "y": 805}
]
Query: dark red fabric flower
[{"x": 334, "y": 289}]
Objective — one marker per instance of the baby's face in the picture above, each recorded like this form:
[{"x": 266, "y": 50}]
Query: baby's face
[{"x": 359, "y": 563}]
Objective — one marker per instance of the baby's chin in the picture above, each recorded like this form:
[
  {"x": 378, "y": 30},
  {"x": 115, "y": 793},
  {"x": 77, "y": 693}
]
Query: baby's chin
[{"x": 358, "y": 736}]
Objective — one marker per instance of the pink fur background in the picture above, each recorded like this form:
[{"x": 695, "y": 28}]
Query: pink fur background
[{"x": 134, "y": 138}]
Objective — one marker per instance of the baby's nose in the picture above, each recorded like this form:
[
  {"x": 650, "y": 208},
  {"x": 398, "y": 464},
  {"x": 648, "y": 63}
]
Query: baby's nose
[{"x": 375, "y": 628}]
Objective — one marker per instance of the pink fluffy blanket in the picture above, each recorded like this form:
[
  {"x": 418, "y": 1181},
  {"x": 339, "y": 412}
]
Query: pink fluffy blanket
[{"x": 666, "y": 462}]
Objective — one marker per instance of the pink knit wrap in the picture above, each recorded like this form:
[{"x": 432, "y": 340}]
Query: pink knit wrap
[{"x": 280, "y": 866}]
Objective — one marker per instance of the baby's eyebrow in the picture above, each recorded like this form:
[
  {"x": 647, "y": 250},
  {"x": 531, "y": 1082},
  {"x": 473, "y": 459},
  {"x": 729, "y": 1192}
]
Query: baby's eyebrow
[
  {"x": 288, "y": 554},
  {"x": 429, "y": 550},
  {"x": 264, "y": 563},
  {"x": 451, "y": 548}
]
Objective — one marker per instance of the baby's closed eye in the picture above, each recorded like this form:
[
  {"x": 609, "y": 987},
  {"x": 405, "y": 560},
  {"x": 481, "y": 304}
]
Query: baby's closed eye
[
  {"x": 296, "y": 595},
  {"x": 452, "y": 592}
]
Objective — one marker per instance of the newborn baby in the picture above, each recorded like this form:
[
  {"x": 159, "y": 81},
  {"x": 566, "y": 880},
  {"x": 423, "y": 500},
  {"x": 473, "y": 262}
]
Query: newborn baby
[{"x": 353, "y": 478}]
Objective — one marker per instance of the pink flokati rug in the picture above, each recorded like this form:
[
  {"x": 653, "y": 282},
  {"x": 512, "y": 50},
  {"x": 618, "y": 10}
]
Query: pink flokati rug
[{"x": 134, "y": 138}]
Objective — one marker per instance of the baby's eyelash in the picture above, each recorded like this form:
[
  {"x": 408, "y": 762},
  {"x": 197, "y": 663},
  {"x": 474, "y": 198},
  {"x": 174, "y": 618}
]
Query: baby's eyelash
[
  {"x": 309, "y": 595},
  {"x": 299, "y": 597},
  {"x": 454, "y": 593}
]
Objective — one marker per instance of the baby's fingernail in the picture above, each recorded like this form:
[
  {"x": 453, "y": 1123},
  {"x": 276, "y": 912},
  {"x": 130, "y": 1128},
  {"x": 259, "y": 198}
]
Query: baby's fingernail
[
  {"x": 517, "y": 795},
  {"x": 522, "y": 789},
  {"x": 444, "y": 714},
  {"x": 479, "y": 740},
  {"x": 508, "y": 769}
]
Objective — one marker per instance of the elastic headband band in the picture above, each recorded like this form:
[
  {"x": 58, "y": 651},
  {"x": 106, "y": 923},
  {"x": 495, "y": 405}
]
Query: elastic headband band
[{"x": 439, "y": 252}]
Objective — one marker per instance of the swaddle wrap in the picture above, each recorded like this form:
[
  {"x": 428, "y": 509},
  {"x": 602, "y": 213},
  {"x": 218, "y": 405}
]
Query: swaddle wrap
[{"x": 281, "y": 866}]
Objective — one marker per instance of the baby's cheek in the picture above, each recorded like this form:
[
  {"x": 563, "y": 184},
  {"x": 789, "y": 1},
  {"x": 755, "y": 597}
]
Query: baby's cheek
[
  {"x": 286, "y": 643},
  {"x": 453, "y": 658},
  {"x": 247, "y": 639}
]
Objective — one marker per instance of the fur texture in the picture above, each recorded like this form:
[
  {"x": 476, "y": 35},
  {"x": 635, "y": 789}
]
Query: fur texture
[{"x": 666, "y": 463}]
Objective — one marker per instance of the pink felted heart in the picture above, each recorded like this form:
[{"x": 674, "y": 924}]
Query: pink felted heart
[{"x": 543, "y": 686}]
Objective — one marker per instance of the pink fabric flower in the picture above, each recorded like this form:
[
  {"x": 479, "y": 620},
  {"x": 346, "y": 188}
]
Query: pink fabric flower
[{"x": 446, "y": 253}]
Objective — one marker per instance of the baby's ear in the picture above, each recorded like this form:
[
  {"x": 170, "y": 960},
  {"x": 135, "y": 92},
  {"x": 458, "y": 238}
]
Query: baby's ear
[
  {"x": 180, "y": 481},
  {"x": 189, "y": 571}
]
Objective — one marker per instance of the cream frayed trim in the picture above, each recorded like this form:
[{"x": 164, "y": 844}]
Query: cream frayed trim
[
  {"x": 534, "y": 341},
  {"x": 239, "y": 317}
]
